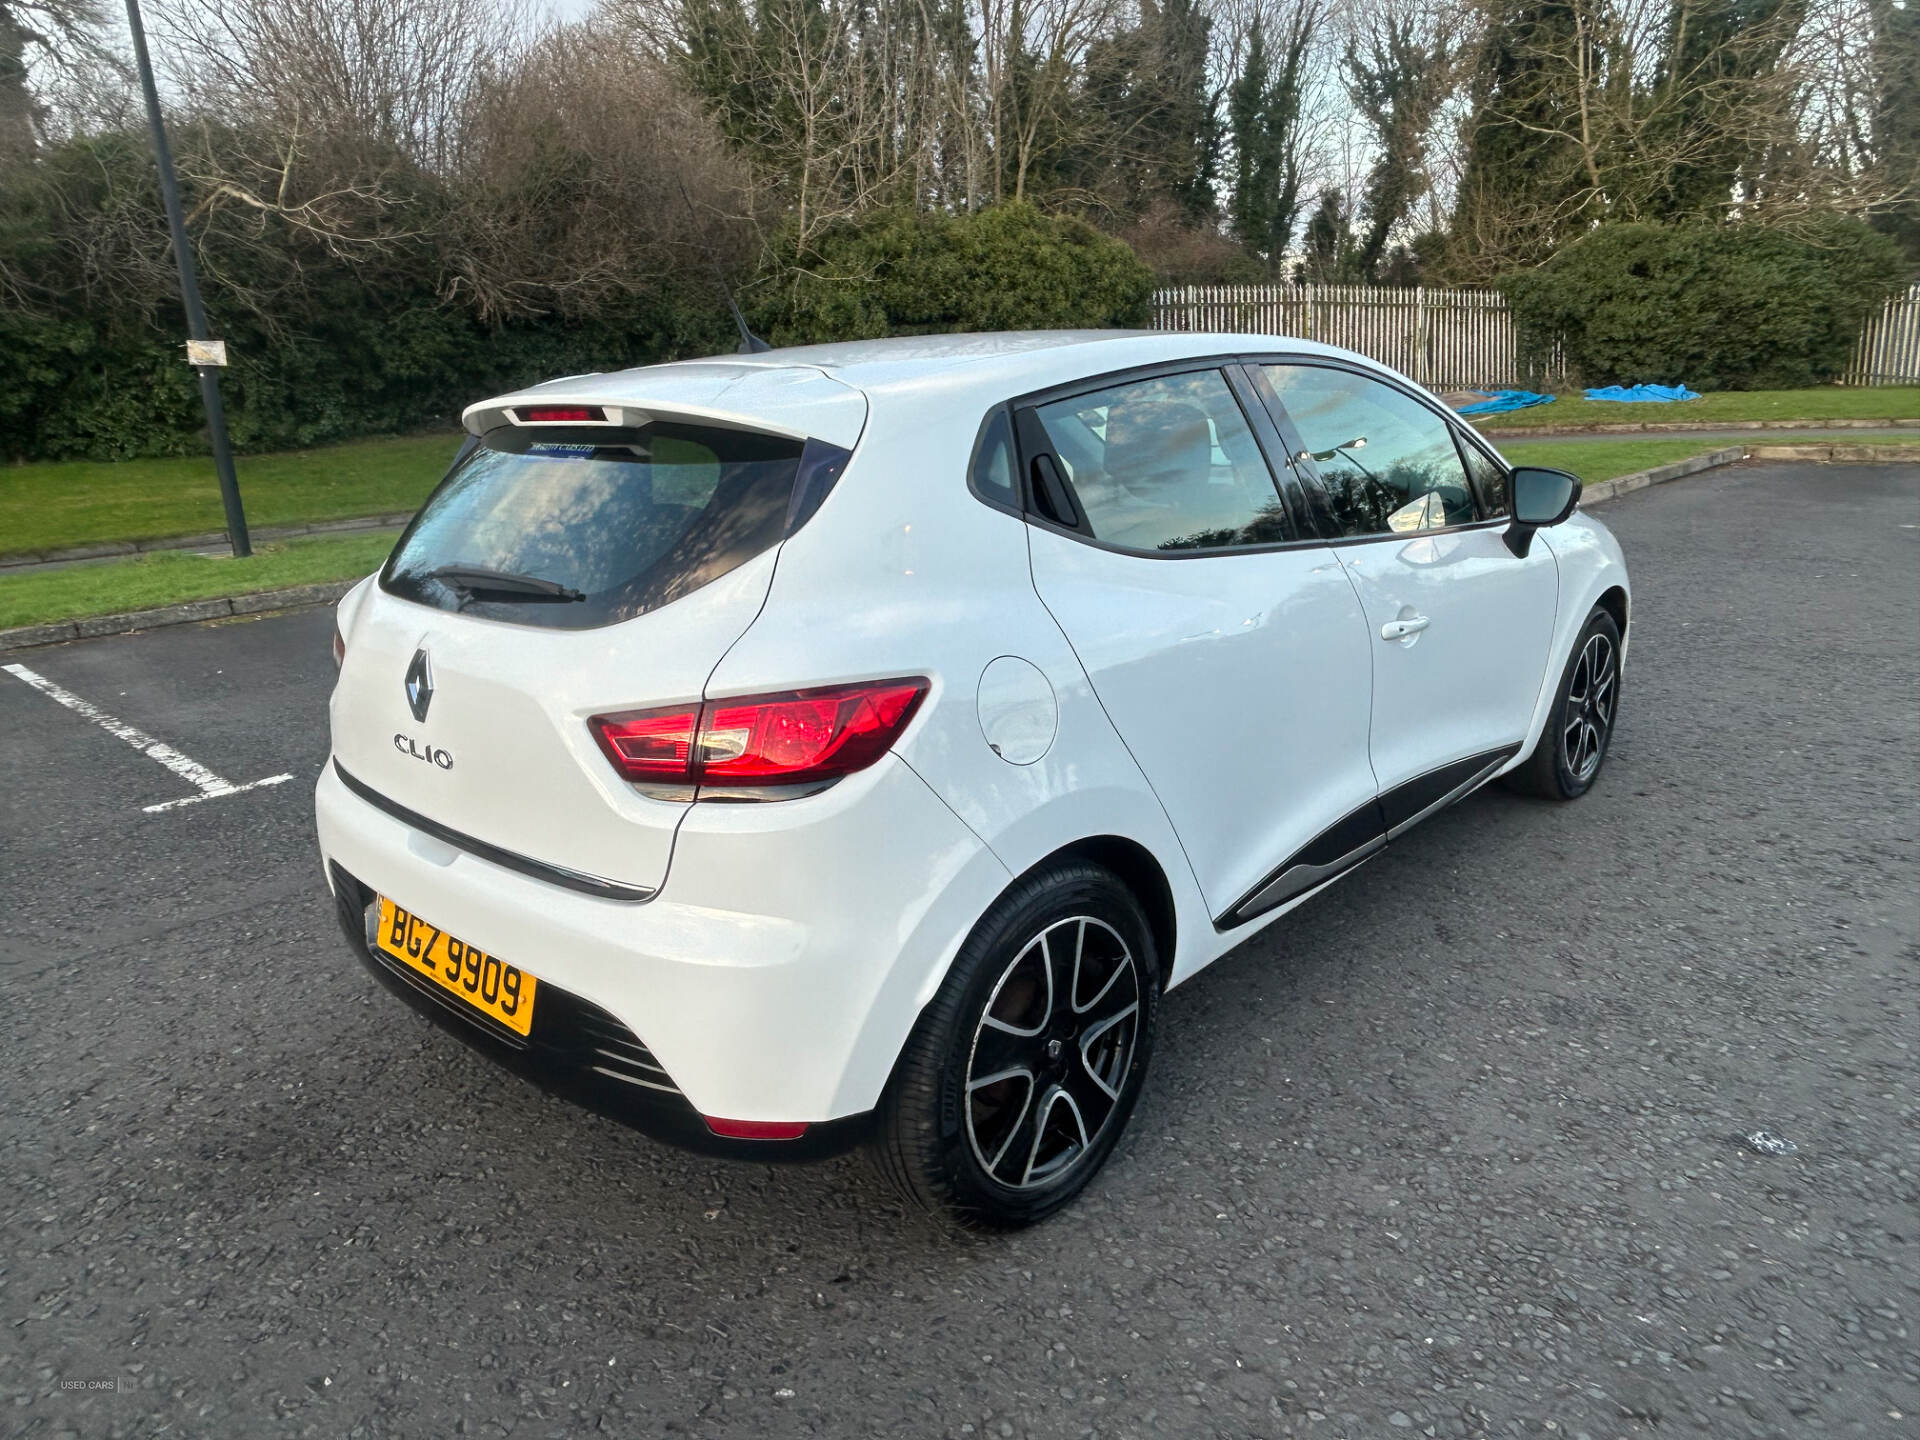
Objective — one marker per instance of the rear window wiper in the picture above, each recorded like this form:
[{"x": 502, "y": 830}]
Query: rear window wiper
[{"x": 477, "y": 580}]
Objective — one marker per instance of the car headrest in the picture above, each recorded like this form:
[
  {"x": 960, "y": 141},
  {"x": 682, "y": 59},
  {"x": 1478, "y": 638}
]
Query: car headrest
[{"x": 1158, "y": 442}]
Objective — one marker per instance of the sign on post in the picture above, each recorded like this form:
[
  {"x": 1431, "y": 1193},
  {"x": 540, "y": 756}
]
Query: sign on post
[{"x": 206, "y": 352}]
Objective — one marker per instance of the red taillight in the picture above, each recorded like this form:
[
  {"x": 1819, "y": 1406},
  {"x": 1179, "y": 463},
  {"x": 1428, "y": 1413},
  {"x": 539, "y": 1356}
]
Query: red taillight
[
  {"x": 756, "y": 1129},
  {"x": 808, "y": 735},
  {"x": 649, "y": 744},
  {"x": 549, "y": 413},
  {"x": 339, "y": 647},
  {"x": 790, "y": 739}
]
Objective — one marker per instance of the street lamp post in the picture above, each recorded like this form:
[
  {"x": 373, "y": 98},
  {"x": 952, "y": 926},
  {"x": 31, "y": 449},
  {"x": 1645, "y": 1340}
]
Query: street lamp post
[{"x": 190, "y": 294}]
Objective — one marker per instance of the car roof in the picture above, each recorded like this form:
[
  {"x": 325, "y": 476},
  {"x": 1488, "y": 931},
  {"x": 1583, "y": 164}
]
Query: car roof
[
  {"x": 1036, "y": 357},
  {"x": 793, "y": 389}
]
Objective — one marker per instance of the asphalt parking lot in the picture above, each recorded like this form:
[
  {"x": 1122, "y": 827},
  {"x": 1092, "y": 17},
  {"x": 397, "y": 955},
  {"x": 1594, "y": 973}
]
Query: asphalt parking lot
[{"x": 1451, "y": 1151}]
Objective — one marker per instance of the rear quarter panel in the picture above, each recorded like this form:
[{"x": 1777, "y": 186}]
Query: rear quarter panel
[{"x": 905, "y": 572}]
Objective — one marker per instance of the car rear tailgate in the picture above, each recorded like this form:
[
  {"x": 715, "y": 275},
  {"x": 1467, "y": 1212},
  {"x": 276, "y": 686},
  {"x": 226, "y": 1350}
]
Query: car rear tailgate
[{"x": 504, "y": 754}]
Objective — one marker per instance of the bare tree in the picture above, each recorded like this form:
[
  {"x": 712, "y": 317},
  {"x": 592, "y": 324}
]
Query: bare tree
[
  {"x": 396, "y": 73},
  {"x": 1622, "y": 109},
  {"x": 63, "y": 36},
  {"x": 1031, "y": 54},
  {"x": 589, "y": 176},
  {"x": 845, "y": 104},
  {"x": 1857, "y": 66}
]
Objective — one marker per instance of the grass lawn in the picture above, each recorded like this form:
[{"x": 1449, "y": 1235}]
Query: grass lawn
[
  {"x": 392, "y": 475},
  {"x": 55, "y": 505},
  {"x": 78, "y": 502},
  {"x": 1597, "y": 460},
  {"x": 174, "y": 576},
  {"x": 1827, "y": 402}
]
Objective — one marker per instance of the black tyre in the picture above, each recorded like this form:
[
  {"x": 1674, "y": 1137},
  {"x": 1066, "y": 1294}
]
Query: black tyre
[
  {"x": 1573, "y": 746},
  {"x": 1023, "y": 1070}
]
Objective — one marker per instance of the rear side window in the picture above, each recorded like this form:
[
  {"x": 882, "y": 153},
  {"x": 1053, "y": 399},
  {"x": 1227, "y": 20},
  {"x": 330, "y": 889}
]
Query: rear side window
[
  {"x": 1166, "y": 464},
  {"x": 993, "y": 462},
  {"x": 576, "y": 527}
]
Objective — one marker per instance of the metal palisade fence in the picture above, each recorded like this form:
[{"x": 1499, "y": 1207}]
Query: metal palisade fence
[
  {"x": 1889, "y": 348},
  {"x": 1462, "y": 339},
  {"x": 1446, "y": 339}
]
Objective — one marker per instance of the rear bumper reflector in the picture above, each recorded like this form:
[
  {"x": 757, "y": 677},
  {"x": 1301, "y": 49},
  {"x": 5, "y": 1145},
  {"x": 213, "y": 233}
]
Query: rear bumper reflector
[{"x": 755, "y": 1129}]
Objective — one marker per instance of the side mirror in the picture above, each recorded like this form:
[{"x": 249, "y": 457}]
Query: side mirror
[{"x": 1540, "y": 497}]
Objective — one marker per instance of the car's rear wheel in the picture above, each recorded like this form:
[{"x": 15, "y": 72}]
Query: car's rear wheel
[
  {"x": 1023, "y": 1070},
  {"x": 1573, "y": 747}
]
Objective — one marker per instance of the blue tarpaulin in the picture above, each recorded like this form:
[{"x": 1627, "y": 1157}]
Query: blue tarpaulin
[
  {"x": 1503, "y": 401},
  {"x": 1642, "y": 394}
]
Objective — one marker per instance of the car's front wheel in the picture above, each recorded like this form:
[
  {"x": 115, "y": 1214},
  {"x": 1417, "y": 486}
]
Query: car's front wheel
[
  {"x": 1572, "y": 748},
  {"x": 1023, "y": 1070}
]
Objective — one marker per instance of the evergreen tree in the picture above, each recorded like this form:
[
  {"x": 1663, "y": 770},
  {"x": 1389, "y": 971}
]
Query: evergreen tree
[
  {"x": 1250, "y": 203},
  {"x": 1398, "y": 83},
  {"x": 1184, "y": 128},
  {"x": 1263, "y": 117},
  {"x": 1523, "y": 191},
  {"x": 1715, "y": 50},
  {"x": 1896, "y": 116},
  {"x": 1159, "y": 132},
  {"x": 1328, "y": 243}
]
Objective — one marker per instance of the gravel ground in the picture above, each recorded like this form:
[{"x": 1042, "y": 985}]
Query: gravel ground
[{"x": 1452, "y": 1151}]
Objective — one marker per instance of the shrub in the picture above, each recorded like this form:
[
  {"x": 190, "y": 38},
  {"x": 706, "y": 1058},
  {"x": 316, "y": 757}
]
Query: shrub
[
  {"x": 359, "y": 291},
  {"x": 1180, "y": 252},
  {"x": 1723, "y": 307},
  {"x": 895, "y": 273}
]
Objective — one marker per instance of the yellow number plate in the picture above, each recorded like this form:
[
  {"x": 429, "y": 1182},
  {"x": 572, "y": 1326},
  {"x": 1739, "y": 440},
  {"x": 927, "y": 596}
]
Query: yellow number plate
[{"x": 484, "y": 981}]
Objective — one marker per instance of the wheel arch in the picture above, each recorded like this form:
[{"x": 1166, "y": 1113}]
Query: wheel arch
[
  {"x": 1613, "y": 600},
  {"x": 1593, "y": 574},
  {"x": 1140, "y": 871}
]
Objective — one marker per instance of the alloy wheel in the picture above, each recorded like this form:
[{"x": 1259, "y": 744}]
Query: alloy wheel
[
  {"x": 1588, "y": 717},
  {"x": 1052, "y": 1053}
]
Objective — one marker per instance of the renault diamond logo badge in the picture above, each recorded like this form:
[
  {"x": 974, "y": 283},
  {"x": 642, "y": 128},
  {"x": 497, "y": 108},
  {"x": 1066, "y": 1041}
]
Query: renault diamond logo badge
[{"x": 419, "y": 685}]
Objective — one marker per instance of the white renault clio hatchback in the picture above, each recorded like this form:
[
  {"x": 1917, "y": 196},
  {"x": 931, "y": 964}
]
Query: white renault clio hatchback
[{"x": 851, "y": 743}]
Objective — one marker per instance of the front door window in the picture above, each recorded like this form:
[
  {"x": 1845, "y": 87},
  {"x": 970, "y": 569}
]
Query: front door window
[{"x": 1387, "y": 463}]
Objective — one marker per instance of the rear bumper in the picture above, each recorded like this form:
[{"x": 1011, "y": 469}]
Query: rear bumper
[
  {"x": 578, "y": 1052},
  {"x": 774, "y": 978}
]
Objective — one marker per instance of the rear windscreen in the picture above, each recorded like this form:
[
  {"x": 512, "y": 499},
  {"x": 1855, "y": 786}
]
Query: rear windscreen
[{"x": 576, "y": 527}]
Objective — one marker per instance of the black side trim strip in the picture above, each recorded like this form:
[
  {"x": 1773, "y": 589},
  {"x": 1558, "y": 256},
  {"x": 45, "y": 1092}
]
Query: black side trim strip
[
  {"x": 507, "y": 859},
  {"x": 1338, "y": 848},
  {"x": 1413, "y": 800},
  {"x": 1296, "y": 878},
  {"x": 1362, "y": 834}
]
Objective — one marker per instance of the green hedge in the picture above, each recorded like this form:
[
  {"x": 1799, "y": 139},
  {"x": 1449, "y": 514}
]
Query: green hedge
[
  {"x": 330, "y": 343},
  {"x": 1008, "y": 267},
  {"x": 1717, "y": 307},
  {"x": 327, "y": 343}
]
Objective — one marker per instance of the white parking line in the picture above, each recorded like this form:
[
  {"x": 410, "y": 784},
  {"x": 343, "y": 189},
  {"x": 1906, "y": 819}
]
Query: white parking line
[{"x": 210, "y": 785}]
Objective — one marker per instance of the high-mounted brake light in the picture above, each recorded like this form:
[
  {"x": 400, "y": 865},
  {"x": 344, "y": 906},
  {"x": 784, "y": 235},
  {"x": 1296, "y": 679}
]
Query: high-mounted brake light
[
  {"x": 547, "y": 414},
  {"x": 795, "y": 738}
]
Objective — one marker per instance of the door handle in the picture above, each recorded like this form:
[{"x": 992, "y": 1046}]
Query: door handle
[{"x": 1401, "y": 629}]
